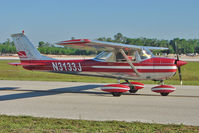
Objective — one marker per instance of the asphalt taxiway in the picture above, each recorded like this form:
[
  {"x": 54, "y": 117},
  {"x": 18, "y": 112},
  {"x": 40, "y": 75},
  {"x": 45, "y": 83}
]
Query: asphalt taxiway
[{"x": 74, "y": 100}]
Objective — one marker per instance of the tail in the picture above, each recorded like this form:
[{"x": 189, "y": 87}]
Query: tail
[{"x": 25, "y": 49}]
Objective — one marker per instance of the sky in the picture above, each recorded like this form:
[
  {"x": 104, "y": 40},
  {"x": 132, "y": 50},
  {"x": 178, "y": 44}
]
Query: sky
[{"x": 58, "y": 20}]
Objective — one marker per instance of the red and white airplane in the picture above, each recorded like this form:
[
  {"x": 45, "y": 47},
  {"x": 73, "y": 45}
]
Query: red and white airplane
[{"x": 119, "y": 61}]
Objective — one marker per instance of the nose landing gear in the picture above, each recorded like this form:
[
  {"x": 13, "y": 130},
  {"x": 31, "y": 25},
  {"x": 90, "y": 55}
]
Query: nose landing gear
[{"x": 164, "y": 90}]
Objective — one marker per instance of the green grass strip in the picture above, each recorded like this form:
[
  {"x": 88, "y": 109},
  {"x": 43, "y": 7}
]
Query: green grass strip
[{"x": 27, "y": 124}]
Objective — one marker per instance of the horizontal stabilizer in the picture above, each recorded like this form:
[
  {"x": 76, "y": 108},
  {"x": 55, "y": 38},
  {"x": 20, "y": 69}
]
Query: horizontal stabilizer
[{"x": 27, "y": 64}]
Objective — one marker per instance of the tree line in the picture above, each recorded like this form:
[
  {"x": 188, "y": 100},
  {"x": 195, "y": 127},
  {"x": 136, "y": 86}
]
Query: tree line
[
  {"x": 45, "y": 48},
  {"x": 182, "y": 46}
]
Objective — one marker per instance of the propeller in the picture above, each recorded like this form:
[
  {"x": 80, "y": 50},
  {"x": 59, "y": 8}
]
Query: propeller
[{"x": 179, "y": 63}]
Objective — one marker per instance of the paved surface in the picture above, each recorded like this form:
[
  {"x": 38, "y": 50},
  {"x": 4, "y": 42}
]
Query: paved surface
[{"x": 75, "y": 100}]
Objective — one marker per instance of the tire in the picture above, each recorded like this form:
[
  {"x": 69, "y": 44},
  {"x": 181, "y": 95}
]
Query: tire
[
  {"x": 116, "y": 94},
  {"x": 132, "y": 90},
  {"x": 164, "y": 94}
]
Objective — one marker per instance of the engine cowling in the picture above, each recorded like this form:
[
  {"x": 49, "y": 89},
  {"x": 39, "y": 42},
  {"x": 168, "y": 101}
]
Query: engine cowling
[
  {"x": 163, "y": 89},
  {"x": 136, "y": 85},
  {"x": 115, "y": 88}
]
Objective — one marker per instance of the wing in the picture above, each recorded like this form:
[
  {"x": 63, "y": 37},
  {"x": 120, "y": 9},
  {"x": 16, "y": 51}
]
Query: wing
[{"x": 87, "y": 44}]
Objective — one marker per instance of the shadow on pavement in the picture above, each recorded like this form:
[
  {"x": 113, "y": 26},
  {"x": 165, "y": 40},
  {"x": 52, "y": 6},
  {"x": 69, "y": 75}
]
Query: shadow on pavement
[{"x": 39, "y": 93}]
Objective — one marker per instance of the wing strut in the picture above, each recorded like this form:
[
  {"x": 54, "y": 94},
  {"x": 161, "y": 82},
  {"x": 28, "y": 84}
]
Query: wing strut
[{"x": 129, "y": 61}]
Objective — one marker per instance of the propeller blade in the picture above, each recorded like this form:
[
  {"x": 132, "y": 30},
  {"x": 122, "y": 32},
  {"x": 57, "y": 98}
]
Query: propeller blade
[
  {"x": 180, "y": 75},
  {"x": 177, "y": 51},
  {"x": 178, "y": 57}
]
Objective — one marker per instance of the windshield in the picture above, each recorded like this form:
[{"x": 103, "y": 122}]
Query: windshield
[{"x": 145, "y": 54}]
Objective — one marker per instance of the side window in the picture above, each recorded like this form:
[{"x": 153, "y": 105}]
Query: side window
[
  {"x": 119, "y": 57},
  {"x": 130, "y": 54},
  {"x": 106, "y": 56}
]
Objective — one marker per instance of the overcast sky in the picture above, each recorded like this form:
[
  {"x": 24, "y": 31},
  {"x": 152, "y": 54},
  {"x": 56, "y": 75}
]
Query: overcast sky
[{"x": 57, "y": 20}]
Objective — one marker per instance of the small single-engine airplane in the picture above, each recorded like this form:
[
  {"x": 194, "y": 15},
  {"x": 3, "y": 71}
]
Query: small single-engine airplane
[{"x": 119, "y": 61}]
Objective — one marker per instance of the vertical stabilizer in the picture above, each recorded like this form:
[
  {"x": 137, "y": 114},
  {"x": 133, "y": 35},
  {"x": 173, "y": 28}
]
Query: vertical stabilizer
[{"x": 25, "y": 49}]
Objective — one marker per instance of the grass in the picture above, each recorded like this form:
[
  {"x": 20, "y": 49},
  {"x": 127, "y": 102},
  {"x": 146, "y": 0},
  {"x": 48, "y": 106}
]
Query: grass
[
  {"x": 27, "y": 124},
  {"x": 190, "y": 73}
]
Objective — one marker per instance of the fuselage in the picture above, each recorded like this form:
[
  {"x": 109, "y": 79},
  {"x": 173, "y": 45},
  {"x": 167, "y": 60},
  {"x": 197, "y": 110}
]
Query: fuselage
[{"x": 155, "y": 68}]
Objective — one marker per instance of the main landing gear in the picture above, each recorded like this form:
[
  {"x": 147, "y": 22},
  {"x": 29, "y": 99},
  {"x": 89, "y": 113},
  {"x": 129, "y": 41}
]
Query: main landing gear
[
  {"x": 117, "y": 89},
  {"x": 132, "y": 87}
]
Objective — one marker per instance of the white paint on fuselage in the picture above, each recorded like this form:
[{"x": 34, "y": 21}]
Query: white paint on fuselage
[{"x": 137, "y": 67}]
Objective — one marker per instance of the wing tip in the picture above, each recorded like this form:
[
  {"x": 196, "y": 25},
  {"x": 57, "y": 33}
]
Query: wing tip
[
  {"x": 156, "y": 48},
  {"x": 75, "y": 41}
]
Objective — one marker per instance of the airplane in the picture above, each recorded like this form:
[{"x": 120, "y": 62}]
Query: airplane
[{"x": 118, "y": 61}]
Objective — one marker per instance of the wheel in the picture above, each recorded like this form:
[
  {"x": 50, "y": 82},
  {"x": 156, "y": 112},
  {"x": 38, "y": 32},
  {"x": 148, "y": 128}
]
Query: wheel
[
  {"x": 132, "y": 90},
  {"x": 164, "y": 94},
  {"x": 116, "y": 94}
]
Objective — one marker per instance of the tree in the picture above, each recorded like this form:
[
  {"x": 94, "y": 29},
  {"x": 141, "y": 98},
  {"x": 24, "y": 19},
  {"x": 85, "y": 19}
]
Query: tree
[
  {"x": 41, "y": 43},
  {"x": 118, "y": 37}
]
